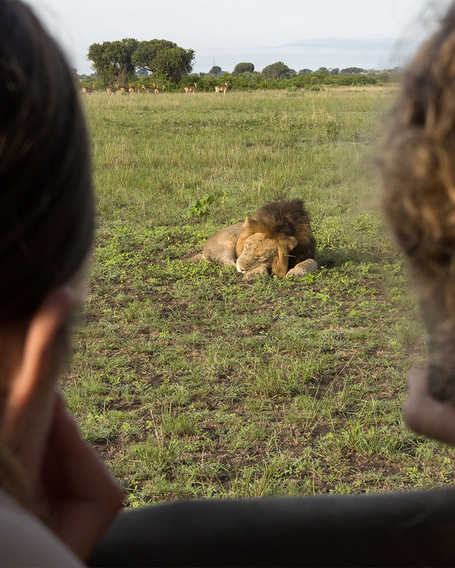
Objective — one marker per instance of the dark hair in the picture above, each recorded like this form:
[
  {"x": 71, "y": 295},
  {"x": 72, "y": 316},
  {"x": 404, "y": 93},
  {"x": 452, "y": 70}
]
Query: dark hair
[{"x": 46, "y": 198}]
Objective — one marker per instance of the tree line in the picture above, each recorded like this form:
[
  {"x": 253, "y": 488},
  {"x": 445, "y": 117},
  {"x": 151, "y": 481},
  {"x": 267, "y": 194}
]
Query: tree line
[
  {"x": 280, "y": 70},
  {"x": 159, "y": 61}
]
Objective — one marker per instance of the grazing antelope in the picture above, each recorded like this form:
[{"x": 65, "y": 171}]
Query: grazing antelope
[
  {"x": 157, "y": 90},
  {"x": 131, "y": 89},
  {"x": 190, "y": 89},
  {"x": 221, "y": 88},
  {"x": 123, "y": 91},
  {"x": 110, "y": 90}
]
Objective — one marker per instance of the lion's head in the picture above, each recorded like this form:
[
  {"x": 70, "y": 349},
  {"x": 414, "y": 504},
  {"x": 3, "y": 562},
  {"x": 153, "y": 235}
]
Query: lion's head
[{"x": 262, "y": 254}]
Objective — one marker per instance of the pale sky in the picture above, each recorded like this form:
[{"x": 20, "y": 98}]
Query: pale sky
[{"x": 301, "y": 33}]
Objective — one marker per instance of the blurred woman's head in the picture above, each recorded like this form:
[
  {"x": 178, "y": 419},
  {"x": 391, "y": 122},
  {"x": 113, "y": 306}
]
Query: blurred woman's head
[{"x": 46, "y": 201}]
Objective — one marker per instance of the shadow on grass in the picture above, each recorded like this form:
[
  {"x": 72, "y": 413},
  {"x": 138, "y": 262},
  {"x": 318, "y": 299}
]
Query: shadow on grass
[{"x": 329, "y": 258}]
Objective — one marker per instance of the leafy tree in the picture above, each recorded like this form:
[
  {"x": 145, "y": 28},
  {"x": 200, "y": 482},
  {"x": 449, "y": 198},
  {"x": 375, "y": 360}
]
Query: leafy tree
[
  {"x": 121, "y": 53},
  {"x": 278, "y": 70},
  {"x": 147, "y": 51},
  {"x": 244, "y": 68},
  {"x": 305, "y": 72},
  {"x": 101, "y": 66},
  {"x": 174, "y": 62},
  {"x": 163, "y": 57},
  {"x": 322, "y": 70},
  {"x": 117, "y": 61},
  {"x": 335, "y": 71},
  {"x": 112, "y": 60},
  {"x": 215, "y": 71}
]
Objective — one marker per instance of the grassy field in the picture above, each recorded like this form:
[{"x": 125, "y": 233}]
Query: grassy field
[{"x": 194, "y": 383}]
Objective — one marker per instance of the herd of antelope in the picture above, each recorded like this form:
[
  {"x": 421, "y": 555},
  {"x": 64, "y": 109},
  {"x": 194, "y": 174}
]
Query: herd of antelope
[
  {"x": 155, "y": 90},
  {"x": 136, "y": 90},
  {"x": 218, "y": 88}
]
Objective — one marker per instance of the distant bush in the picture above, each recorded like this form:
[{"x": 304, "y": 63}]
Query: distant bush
[
  {"x": 215, "y": 71},
  {"x": 278, "y": 70},
  {"x": 243, "y": 68},
  {"x": 351, "y": 70}
]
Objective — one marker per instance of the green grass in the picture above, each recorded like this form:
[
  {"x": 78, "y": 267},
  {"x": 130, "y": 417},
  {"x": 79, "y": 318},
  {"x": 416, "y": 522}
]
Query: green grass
[{"x": 193, "y": 383}]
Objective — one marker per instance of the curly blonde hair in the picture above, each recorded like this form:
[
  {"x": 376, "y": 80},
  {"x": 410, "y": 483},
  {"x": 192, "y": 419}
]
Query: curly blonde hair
[{"x": 418, "y": 169}]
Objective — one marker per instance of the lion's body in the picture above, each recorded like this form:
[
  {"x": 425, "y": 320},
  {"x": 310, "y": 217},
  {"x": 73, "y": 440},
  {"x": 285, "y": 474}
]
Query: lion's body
[
  {"x": 278, "y": 237},
  {"x": 221, "y": 246}
]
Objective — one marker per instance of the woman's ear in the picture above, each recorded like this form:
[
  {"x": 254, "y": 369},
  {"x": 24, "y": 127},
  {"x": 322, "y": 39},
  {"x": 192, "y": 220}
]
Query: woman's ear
[{"x": 30, "y": 396}]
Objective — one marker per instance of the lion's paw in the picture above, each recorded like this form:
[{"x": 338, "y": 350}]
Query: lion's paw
[
  {"x": 251, "y": 274},
  {"x": 303, "y": 268}
]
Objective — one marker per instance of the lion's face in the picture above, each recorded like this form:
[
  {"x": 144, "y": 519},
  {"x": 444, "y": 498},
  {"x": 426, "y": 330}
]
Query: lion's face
[
  {"x": 267, "y": 254},
  {"x": 258, "y": 251}
]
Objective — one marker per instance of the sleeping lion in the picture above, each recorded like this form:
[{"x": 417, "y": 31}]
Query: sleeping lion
[{"x": 277, "y": 240}]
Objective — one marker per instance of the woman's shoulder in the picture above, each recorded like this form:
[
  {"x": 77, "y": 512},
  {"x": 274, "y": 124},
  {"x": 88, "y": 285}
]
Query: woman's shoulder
[{"x": 25, "y": 541}]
